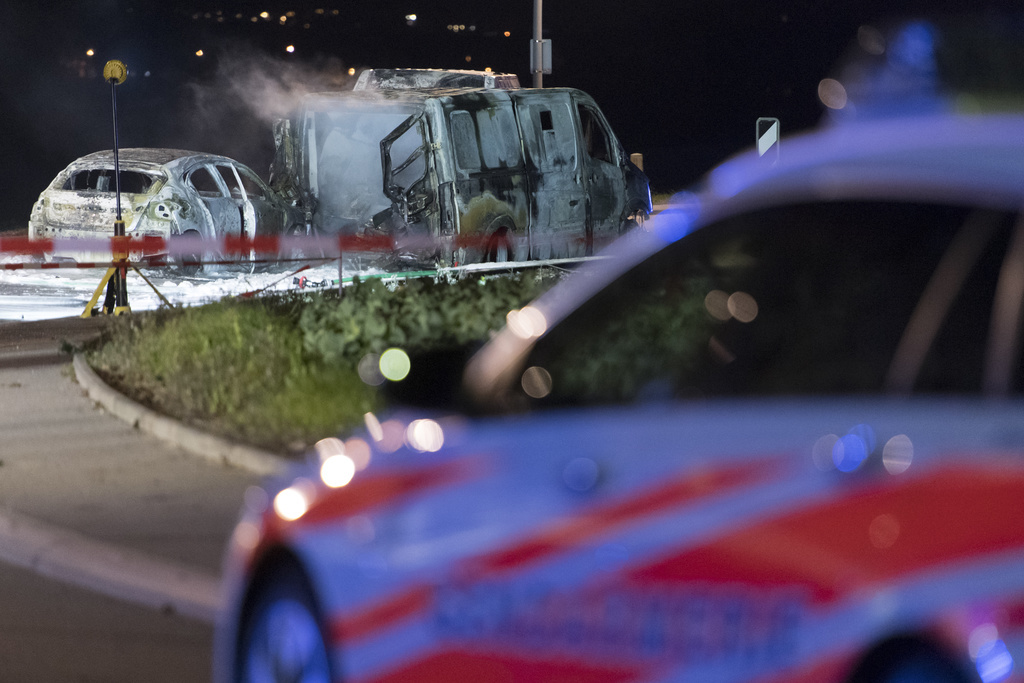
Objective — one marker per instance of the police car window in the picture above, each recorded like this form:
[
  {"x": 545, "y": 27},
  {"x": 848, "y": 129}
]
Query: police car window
[
  {"x": 204, "y": 183},
  {"x": 801, "y": 299}
]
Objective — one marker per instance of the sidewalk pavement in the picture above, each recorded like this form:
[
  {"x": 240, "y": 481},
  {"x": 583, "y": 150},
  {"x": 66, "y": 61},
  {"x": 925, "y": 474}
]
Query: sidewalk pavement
[{"x": 90, "y": 499}]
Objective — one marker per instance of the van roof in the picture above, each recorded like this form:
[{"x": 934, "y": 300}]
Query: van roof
[{"x": 403, "y": 79}]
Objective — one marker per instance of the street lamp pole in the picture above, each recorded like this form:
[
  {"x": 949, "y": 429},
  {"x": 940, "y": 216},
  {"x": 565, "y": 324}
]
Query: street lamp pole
[{"x": 538, "y": 46}]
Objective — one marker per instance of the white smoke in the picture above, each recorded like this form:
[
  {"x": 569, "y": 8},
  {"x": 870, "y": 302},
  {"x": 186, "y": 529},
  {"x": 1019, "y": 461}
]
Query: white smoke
[{"x": 232, "y": 112}]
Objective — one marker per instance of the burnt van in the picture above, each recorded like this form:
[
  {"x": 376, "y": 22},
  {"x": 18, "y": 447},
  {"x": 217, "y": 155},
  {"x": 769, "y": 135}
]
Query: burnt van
[{"x": 522, "y": 173}]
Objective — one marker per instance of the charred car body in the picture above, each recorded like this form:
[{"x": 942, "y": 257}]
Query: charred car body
[
  {"x": 165, "y": 193},
  {"x": 523, "y": 173}
]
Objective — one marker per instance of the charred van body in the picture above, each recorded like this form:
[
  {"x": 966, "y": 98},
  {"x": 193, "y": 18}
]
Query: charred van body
[{"x": 523, "y": 173}]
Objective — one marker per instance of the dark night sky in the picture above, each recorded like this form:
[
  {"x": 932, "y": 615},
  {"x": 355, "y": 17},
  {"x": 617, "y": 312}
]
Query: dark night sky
[{"x": 682, "y": 82}]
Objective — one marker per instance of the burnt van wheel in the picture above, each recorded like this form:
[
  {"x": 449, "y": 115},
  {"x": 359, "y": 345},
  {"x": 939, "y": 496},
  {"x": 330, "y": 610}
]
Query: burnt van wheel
[{"x": 499, "y": 249}]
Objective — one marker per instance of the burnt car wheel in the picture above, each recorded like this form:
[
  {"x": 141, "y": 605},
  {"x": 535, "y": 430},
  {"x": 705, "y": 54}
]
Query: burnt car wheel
[
  {"x": 190, "y": 263},
  {"x": 280, "y": 637}
]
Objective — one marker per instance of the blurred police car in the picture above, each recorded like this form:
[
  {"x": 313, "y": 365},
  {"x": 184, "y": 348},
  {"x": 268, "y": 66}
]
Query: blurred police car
[{"x": 778, "y": 437}]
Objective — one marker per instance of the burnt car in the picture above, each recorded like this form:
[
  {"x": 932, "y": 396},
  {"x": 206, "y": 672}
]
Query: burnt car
[
  {"x": 514, "y": 173},
  {"x": 165, "y": 193},
  {"x": 779, "y": 436}
]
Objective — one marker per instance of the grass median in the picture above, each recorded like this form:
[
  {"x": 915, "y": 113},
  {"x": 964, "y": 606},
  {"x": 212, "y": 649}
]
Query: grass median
[{"x": 282, "y": 371}]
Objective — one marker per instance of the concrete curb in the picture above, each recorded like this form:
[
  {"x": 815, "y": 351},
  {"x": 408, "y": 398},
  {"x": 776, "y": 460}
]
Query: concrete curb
[
  {"x": 107, "y": 569},
  {"x": 214, "y": 448}
]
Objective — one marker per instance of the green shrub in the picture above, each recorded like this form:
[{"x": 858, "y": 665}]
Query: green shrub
[{"x": 279, "y": 371}]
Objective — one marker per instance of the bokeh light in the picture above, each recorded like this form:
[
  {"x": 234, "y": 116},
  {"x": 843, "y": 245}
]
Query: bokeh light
[
  {"x": 392, "y": 436},
  {"x": 359, "y": 451},
  {"x": 849, "y": 453},
  {"x": 246, "y": 535},
  {"x": 871, "y": 40},
  {"x": 395, "y": 365},
  {"x": 326, "y": 448},
  {"x": 373, "y": 426},
  {"x": 425, "y": 436},
  {"x": 536, "y": 382},
  {"x": 883, "y": 531},
  {"x": 822, "y": 452},
  {"x": 897, "y": 454},
  {"x": 717, "y": 303},
  {"x": 368, "y": 369},
  {"x": 337, "y": 471},
  {"x": 742, "y": 306},
  {"x": 832, "y": 93},
  {"x": 527, "y": 323},
  {"x": 293, "y": 502}
]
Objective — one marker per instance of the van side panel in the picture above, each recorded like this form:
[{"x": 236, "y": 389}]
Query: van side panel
[
  {"x": 492, "y": 195},
  {"x": 550, "y": 143}
]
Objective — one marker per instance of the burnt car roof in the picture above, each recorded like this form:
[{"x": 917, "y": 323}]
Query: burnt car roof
[{"x": 156, "y": 156}]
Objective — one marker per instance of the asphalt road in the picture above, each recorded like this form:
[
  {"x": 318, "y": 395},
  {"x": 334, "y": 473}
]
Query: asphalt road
[{"x": 110, "y": 540}]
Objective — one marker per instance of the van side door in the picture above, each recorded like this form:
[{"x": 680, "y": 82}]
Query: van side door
[
  {"x": 491, "y": 195},
  {"x": 602, "y": 174},
  {"x": 547, "y": 126}
]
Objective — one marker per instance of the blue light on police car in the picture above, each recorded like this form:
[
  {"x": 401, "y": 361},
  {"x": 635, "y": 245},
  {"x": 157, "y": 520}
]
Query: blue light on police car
[
  {"x": 679, "y": 219},
  {"x": 994, "y": 662},
  {"x": 850, "y": 451}
]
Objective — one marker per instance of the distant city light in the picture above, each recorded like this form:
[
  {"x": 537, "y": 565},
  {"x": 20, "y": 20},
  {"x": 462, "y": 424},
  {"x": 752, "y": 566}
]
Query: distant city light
[
  {"x": 264, "y": 15},
  {"x": 411, "y": 18},
  {"x": 90, "y": 53},
  {"x": 199, "y": 53},
  {"x": 290, "y": 48},
  {"x": 508, "y": 33},
  {"x": 469, "y": 58},
  {"x": 283, "y": 19},
  {"x": 351, "y": 71}
]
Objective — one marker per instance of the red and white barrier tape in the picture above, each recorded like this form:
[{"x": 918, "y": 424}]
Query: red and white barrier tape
[{"x": 153, "y": 251}]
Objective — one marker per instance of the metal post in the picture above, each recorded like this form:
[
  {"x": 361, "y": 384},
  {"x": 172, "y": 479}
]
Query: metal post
[
  {"x": 538, "y": 45},
  {"x": 117, "y": 288}
]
